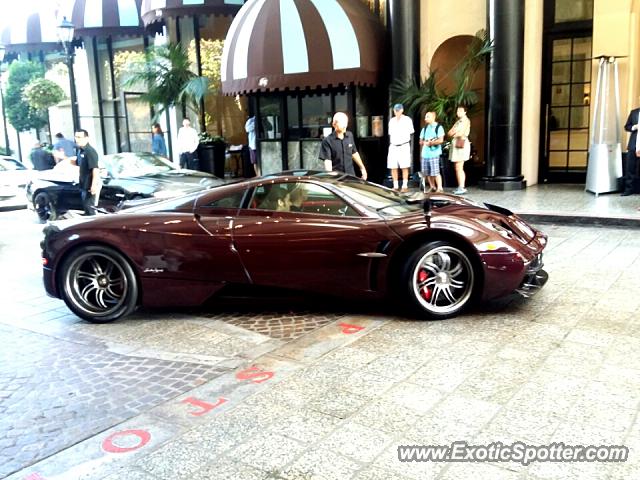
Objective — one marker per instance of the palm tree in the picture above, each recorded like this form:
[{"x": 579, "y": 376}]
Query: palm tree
[
  {"x": 427, "y": 96},
  {"x": 165, "y": 74}
]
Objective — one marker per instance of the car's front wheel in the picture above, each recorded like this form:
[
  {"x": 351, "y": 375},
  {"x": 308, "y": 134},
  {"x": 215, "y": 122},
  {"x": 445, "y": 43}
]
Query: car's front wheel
[
  {"x": 439, "y": 279},
  {"x": 44, "y": 207},
  {"x": 98, "y": 284}
]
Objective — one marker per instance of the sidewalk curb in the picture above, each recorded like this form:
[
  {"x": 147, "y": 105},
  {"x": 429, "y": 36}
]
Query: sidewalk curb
[{"x": 581, "y": 220}]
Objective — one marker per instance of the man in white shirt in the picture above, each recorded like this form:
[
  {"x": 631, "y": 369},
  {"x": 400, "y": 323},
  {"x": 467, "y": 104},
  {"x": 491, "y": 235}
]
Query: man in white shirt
[
  {"x": 188, "y": 141},
  {"x": 399, "y": 157}
]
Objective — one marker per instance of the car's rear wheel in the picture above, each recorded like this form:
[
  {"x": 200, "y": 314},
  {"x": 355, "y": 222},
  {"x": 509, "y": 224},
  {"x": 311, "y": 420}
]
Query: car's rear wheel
[
  {"x": 98, "y": 284},
  {"x": 439, "y": 279},
  {"x": 44, "y": 207}
]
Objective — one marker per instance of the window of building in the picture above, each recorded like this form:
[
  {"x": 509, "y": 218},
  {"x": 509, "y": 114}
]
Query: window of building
[{"x": 573, "y": 10}]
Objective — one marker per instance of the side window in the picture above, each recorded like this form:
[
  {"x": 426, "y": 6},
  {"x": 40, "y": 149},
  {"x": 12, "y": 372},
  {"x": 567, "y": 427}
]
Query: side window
[
  {"x": 300, "y": 197},
  {"x": 312, "y": 198},
  {"x": 231, "y": 201},
  {"x": 271, "y": 196}
]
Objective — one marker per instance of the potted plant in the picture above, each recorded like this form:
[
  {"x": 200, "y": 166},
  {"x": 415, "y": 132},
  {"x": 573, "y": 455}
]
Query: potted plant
[
  {"x": 164, "y": 74},
  {"x": 212, "y": 152}
]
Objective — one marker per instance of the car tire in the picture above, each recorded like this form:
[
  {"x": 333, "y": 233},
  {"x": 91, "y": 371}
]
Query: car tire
[
  {"x": 44, "y": 207},
  {"x": 439, "y": 280},
  {"x": 98, "y": 284}
]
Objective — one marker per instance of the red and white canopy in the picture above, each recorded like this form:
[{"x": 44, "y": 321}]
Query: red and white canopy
[
  {"x": 291, "y": 44},
  {"x": 155, "y": 10}
]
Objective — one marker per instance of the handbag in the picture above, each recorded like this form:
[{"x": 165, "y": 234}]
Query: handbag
[{"x": 459, "y": 142}]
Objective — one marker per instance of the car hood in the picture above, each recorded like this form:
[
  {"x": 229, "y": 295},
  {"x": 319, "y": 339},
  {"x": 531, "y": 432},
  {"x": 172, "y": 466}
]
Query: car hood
[{"x": 178, "y": 181}]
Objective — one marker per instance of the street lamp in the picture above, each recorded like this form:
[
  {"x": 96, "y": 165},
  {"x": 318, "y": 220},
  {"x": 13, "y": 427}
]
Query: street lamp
[
  {"x": 65, "y": 34},
  {"x": 3, "y": 50}
]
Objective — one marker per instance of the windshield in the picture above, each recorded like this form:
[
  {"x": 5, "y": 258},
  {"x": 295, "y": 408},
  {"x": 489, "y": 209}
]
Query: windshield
[
  {"x": 135, "y": 165},
  {"x": 9, "y": 164},
  {"x": 383, "y": 200}
]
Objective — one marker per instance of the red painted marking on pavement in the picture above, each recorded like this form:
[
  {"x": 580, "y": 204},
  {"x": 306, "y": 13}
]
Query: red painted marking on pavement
[
  {"x": 109, "y": 446},
  {"x": 205, "y": 407},
  {"x": 348, "y": 329},
  {"x": 255, "y": 374}
]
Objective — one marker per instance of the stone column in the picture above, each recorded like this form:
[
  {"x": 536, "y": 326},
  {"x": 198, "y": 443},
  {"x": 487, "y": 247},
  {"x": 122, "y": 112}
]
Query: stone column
[
  {"x": 403, "y": 24},
  {"x": 505, "y": 19}
]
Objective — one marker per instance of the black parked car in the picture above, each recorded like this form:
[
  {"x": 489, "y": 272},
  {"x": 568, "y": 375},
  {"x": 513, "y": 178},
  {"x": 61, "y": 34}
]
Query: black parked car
[{"x": 126, "y": 177}]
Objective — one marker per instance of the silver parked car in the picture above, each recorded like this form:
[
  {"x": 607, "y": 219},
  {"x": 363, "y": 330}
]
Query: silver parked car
[{"x": 14, "y": 176}]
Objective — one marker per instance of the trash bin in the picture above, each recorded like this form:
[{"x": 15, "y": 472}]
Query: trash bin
[
  {"x": 447, "y": 172},
  {"x": 205, "y": 154},
  {"x": 212, "y": 158}
]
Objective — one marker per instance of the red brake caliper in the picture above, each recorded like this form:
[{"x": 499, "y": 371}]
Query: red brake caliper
[{"x": 424, "y": 291}]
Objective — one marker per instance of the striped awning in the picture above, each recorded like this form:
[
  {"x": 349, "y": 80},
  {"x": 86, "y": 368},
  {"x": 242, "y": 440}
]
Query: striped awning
[
  {"x": 297, "y": 44},
  {"x": 156, "y": 10},
  {"x": 107, "y": 17},
  {"x": 32, "y": 31}
]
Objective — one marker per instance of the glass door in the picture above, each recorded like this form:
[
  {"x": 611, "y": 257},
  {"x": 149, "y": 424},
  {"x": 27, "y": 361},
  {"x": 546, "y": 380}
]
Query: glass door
[
  {"x": 566, "y": 109},
  {"x": 566, "y": 90}
]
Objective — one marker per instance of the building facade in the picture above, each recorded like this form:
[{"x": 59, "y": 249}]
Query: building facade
[{"x": 534, "y": 124}]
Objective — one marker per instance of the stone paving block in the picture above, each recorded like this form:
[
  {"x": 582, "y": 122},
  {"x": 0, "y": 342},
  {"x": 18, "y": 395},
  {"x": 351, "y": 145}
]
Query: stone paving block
[
  {"x": 418, "y": 398},
  {"x": 129, "y": 473},
  {"x": 470, "y": 411},
  {"x": 390, "y": 367},
  {"x": 226, "y": 469},
  {"x": 349, "y": 356},
  {"x": 305, "y": 426},
  {"x": 496, "y": 381},
  {"x": 321, "y": 465},
  {"x": 267, "y": 451},
  {"x": 432, "y": 430},
  {"x": 442, "y": 375},
  {"x": 337, "y": 402},
  {"x": 603, "y": 415},
  {"x": 375, "y": 473},
  {"x": 175, "y": 460},
  {"x": 367, "y": 383},
  {"x": 522, "y": 424},
  {"x": 478, "y": 471},
  {"x": 576, "y": 471},
  {"x": 387, "y": 416},
  {"x": 356, "y": 442},
  {"x": 388, "y": 460}
]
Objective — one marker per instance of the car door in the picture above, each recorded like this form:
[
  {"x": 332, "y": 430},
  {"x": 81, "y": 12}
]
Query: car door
[
  {"x": 326, "y": 246},
  {"x": 212, "y": 248}
]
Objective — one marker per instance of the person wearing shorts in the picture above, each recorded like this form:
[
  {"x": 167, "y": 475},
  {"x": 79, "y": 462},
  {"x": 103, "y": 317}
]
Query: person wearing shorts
[
  {"x": 431, "y": 139},
  {"x": 399, "y": 157},
  {"x": 460, "y": 147}
]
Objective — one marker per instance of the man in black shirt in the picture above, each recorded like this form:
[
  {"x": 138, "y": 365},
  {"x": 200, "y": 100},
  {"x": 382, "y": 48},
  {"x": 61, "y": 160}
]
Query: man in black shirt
[
  {"x": 631, "y": 173},
  {"x": 338, "y": 150},
  {"x": 90, "y": 182}
]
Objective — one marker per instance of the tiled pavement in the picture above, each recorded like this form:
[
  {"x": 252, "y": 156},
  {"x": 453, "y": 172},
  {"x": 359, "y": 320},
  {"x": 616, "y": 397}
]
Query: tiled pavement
[
  {"x": 336, "y": 402},
  {"x": 563, "y": 366}
]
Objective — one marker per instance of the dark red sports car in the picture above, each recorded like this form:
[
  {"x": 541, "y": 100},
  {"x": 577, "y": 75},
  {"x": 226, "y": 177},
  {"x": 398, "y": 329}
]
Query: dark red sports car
[{"x": 319, "y": 232}]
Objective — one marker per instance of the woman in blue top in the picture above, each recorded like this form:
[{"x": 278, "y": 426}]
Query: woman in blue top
[{"x": 158, "y": 146}]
